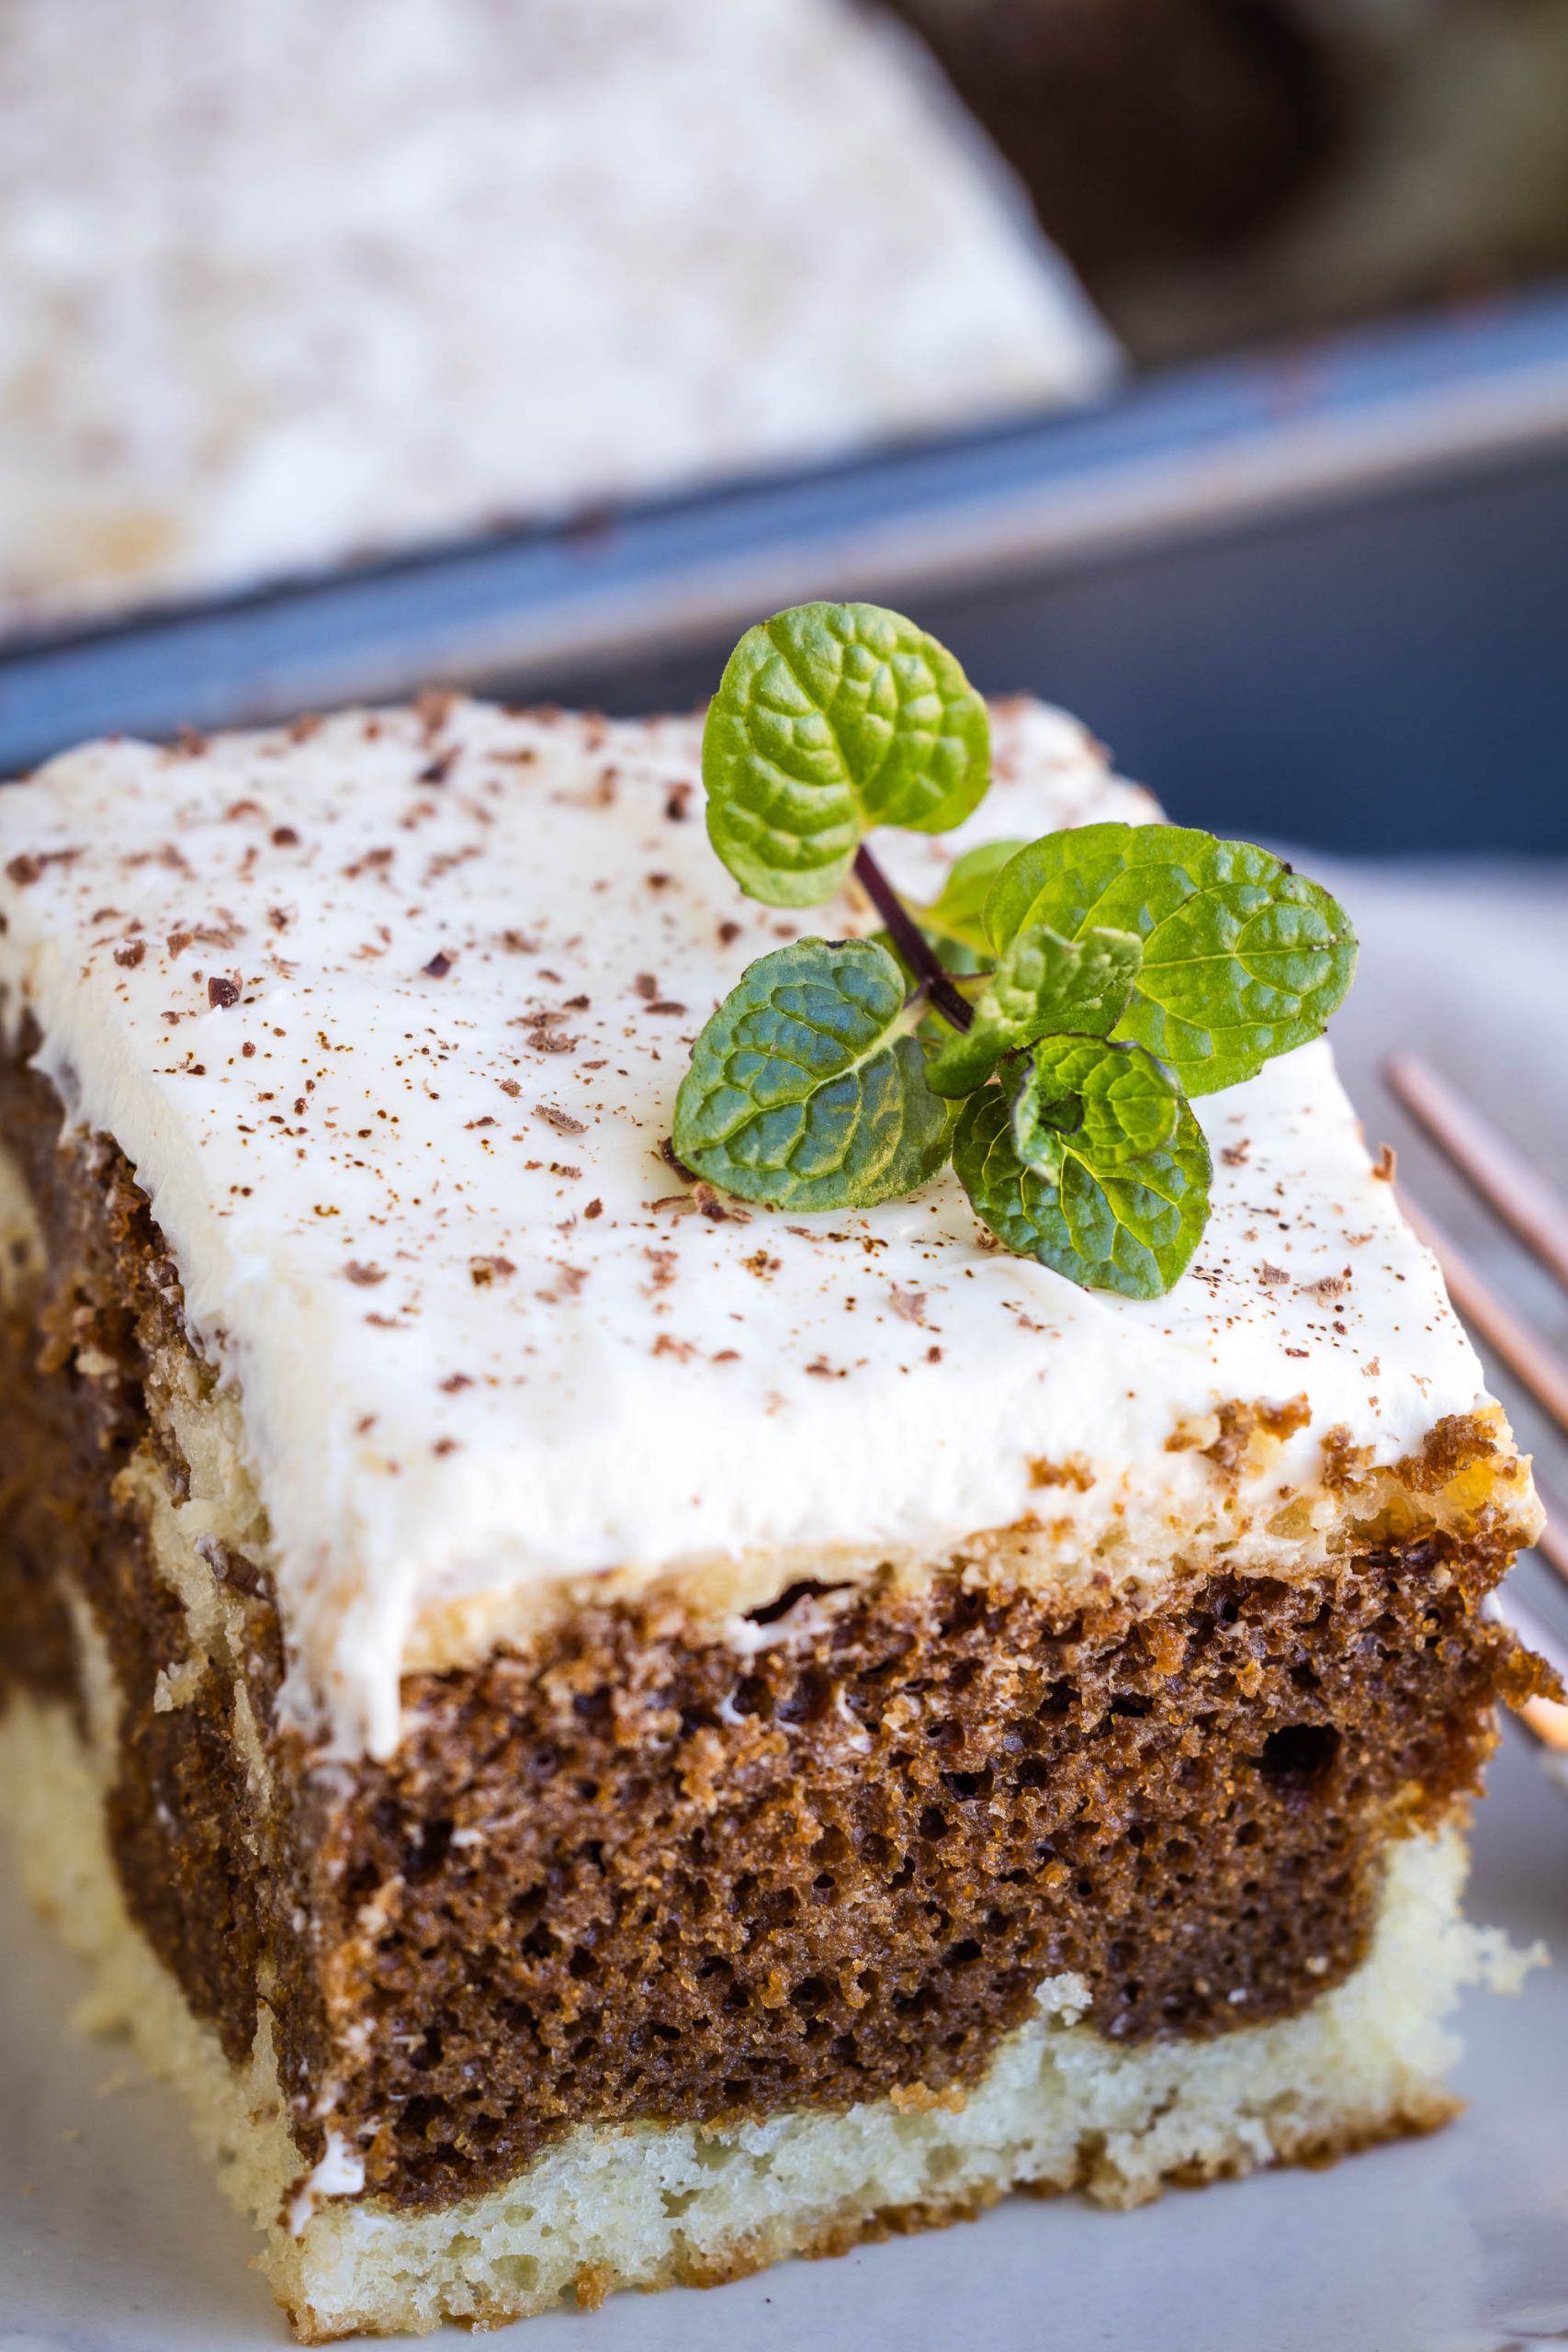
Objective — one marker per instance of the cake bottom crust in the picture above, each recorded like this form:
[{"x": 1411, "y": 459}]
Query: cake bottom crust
[{"x": 1059, "y": 2108}]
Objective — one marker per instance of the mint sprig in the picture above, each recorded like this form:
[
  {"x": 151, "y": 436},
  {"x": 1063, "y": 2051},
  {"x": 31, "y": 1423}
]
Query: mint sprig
[{"x": 1069, "y": 994}]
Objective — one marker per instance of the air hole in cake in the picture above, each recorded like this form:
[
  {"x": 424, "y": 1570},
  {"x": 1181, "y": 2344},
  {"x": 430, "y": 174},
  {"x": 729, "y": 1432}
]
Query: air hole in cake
[
  {"x": 809, "y": 1701},
  {"x": 1299, "y": 1753},
  {"x": 965, "y": 1614},
  {"x": 427, "y": 1851},
  {"x": 772, "y": 1611}
]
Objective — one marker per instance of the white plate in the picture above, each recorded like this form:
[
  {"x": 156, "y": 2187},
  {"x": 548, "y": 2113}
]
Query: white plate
[{"x": 112, "y": 2238}]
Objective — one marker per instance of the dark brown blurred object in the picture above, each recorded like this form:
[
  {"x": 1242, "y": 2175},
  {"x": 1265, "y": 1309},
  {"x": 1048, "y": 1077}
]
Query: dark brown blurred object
[
  {"x": 1146, "y": 132},
  {"x": 1222, "y": 171}
]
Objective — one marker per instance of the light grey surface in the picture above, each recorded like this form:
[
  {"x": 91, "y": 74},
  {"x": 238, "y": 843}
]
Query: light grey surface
[{"x": 112, "y": 2238}]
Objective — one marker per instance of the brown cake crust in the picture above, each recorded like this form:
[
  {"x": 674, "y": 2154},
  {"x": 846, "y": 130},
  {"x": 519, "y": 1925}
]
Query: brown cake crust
[{"x": 637, "y": 1872}]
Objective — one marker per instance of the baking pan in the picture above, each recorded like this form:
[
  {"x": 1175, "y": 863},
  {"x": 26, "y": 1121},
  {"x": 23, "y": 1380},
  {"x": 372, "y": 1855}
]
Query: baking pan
[{"x": 1318, "y": 590}]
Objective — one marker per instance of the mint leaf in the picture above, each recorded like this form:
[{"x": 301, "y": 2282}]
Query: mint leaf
[
  {"x": 1113, "y": 1104},
  {"x": 957, "y": 916},
  {"x": 953, "y": 925},
  {"x": 1042, "y": 984},
  {"x": 1098, "y": 1168},
  {"x": 1243, "y": 958},
  {"x": 808, "y": 1087},
  {"x": 830, "y": 720}
]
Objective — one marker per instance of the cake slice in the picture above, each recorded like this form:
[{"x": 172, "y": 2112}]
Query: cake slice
[{"x": 604, "y": 1736}]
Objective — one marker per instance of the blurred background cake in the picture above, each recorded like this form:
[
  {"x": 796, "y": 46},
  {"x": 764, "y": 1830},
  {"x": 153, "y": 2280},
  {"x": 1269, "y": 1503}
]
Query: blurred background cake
[{"x": 283, "y": 285}]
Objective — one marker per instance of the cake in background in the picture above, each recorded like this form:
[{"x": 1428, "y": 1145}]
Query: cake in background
[{"x": 285, "y": 287}]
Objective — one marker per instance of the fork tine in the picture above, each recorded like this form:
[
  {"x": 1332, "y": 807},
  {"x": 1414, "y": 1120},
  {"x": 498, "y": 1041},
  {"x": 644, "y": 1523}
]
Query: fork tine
[
  {"x": 1528, "y": 1205},
  {"x": 1531, "y": 1359},
  {"x": 1537, "y": 1216},
  {"x": 1552, "y": 1542}
]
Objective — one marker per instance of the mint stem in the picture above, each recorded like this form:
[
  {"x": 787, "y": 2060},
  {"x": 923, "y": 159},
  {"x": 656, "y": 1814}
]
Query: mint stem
[{"x": 911, "y": 941}]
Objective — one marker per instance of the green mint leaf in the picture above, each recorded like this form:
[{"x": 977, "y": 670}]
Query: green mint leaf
[
  {"x": 1111, "y": 1103},
  {"x": 1042, "y": 984},
  {"x": 1098, "y": 1168},
  {"x": 957, "y": 916},
  {"x": 1243, "y": 959},
  {"x": 830, "y": 720},
  {"x": 953, "y": 925},
  {"x": 808, "y": 1087}
]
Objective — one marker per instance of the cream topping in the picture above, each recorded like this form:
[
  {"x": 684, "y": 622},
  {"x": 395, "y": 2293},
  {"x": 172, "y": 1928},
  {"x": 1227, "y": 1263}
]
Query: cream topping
[{"x": 388, "y": 1013}]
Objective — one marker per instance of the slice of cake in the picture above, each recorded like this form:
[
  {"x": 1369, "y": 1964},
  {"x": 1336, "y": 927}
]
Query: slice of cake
[{"x": 604, "y": 1735}]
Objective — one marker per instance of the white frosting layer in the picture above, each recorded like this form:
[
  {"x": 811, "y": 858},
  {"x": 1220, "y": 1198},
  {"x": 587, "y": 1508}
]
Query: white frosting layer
[
  {"x": 284, "y": 285},
  {"x": 413, "y": 1183}
]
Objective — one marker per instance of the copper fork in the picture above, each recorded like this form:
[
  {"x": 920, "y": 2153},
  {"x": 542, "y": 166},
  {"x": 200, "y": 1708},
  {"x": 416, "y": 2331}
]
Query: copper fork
[{"x": 1537, "y": 1216}]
